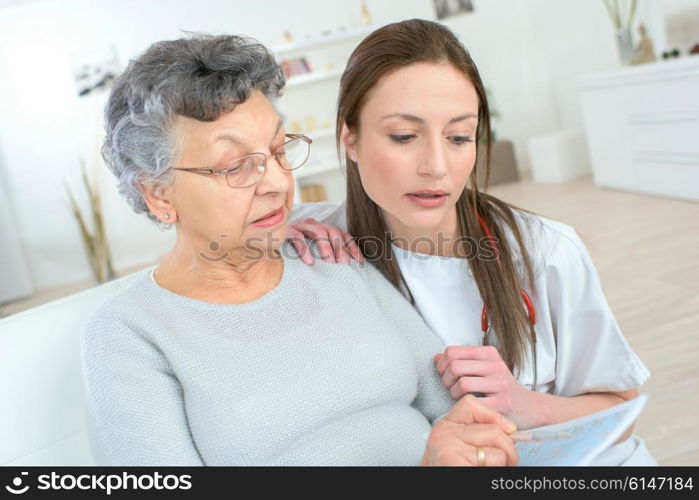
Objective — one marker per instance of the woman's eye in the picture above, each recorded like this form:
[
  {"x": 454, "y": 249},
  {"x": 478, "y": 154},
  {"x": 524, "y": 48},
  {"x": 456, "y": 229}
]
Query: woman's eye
[
  {"x": 239, "y": 165},
  {"x": 461, "y": 139},
  {"x": 233, "y": 170},
  {"x": 402, "y": 138}
]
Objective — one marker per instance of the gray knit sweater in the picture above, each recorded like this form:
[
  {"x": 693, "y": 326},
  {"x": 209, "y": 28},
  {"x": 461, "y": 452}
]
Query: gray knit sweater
[{"x": 331, "y": 367}]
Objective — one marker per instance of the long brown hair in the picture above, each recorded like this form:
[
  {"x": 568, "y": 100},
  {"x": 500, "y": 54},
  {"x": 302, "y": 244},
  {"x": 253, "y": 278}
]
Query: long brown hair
[{"x": 388, "y": 49}]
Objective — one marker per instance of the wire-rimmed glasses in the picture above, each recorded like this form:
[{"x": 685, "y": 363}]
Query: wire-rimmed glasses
[{"x": 246, "y": 171}]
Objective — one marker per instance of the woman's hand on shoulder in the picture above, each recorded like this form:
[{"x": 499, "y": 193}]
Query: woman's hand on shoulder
[
  {"x": 481, "y": 370},
  {"x": 470, "y": 425},
  {"x": 334, "y": 245}
]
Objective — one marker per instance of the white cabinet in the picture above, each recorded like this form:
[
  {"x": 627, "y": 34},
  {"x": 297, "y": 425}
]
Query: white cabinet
[{"x": 642, "y": 127}]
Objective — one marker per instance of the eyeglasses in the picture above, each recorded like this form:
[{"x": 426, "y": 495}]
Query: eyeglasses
[{"x": 246, "y": 171}]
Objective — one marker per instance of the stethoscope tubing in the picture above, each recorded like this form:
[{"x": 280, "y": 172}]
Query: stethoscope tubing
[{"x": 485, "y": 324}]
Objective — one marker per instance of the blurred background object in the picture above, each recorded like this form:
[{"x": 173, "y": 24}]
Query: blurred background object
[
  {"x": 313, "y": 193},
  {"x": 642, "y": 125},
  {"x": 92, "y": 228},
  {"x": 559, "y": 157},
  {"x": 644, "y": 52},
  {"x": 622, "y": 14}
]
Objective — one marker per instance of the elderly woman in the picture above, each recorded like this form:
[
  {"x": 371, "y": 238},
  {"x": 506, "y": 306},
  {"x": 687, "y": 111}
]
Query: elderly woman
[{"x": 232, "y": 351}]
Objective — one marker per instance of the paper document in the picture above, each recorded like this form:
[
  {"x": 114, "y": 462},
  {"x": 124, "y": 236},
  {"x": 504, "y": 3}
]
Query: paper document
[{"x": 583, "y": 438}]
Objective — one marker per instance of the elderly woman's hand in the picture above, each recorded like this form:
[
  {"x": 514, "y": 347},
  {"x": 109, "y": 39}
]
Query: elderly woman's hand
[
  {"x": 333, "y": 244},
  {"x": 471, "y": 434}
]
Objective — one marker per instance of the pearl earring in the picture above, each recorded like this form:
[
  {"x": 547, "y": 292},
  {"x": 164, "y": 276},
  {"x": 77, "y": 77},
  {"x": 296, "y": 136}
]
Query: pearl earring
[{"x": 167, "y": 217}]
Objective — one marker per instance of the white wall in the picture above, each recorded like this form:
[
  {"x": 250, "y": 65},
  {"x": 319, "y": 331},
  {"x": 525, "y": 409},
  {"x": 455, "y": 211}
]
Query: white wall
[
  {"x": 682, "y": 20},
  {"x": 15, "y": 278},
  {"x": 528, "y": 53},
  {"x": 678, "y": 6}
]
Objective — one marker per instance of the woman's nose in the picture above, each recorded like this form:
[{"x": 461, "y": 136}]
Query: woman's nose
[
  {"x": 433, "y": 162},
  {"x": 274, "y": 178}
]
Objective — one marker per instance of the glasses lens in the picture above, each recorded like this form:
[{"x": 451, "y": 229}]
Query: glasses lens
[
  {"x": 245, "y": 171},
  {"x": 293, "y": 154}
]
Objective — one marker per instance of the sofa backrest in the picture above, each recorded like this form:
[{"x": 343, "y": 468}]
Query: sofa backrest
[{"x": 42, "y": 416}]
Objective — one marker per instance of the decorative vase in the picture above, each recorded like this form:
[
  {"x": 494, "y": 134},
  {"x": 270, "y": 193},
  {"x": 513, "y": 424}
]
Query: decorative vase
[{"x": 624, "y": 43}]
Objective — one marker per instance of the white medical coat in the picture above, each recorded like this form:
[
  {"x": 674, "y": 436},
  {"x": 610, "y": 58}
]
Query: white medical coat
[{"x": 580, "y": 347}]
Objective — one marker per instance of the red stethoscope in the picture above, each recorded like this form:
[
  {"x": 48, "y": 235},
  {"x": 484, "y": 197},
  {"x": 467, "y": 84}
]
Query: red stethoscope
[{"x": 485, "y": 324}]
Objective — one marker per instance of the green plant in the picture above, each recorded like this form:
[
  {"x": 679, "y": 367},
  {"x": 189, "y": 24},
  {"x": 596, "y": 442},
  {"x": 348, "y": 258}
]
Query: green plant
[
  {"x": 615, "y": 7},
  {"x": 95, "y": 242}
]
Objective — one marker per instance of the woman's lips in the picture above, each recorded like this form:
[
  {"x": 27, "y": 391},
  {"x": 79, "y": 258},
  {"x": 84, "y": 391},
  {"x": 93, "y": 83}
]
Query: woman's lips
[
  {"x": 428, "y": 198},
  {"x": 271, "y": 219}
]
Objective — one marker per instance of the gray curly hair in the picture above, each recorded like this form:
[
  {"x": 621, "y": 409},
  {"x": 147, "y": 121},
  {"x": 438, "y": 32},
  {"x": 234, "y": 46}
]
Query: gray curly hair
[{"x": 200, "y": 77}]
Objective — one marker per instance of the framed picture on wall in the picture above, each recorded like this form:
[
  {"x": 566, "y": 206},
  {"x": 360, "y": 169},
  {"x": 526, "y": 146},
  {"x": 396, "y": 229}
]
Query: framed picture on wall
[
  {"x": 449, "y": 8},
  {"x": 94, "y": 69}
]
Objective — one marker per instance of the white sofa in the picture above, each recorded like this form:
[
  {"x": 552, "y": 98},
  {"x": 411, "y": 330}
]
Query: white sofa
[{"x": 41, "y": 389}]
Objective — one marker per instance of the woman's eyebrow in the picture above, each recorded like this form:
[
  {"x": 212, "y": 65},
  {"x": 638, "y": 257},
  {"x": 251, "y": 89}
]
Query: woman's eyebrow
[
  {"x": 467, "y": 116},
  {"x": 404, "y": 116},
  {"x": 413, "y": 118},
  {"x": 233, "y": 137}
]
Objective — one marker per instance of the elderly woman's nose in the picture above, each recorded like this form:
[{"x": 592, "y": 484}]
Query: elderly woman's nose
[{"x": 275, "y": 178}]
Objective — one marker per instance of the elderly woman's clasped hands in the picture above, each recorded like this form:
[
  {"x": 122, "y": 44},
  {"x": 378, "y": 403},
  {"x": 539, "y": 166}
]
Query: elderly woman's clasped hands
[{"x": 471, "y": 434}]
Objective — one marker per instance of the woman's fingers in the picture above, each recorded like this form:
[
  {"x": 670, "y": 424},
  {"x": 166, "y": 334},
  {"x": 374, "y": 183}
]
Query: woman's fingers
[
  {"x": 352, "y": 247},
  {"x": 333, "y": 244},
  {"x": 467, "y": 456},
  {"x": 473, "y": 385},
  {"x": 489, "y": 436},
  {"x": 482, "y": 413},
  {"x": 465, "y": 368},
  {"x": 470, "y": 409},
  {"x": 325, "y": 248},
  {"x": 465, "y": 352},
  {"x": 317, "y": 233},
  {"x": 467, "y": 425},
  {"x": 493, "y": 457},
  {"x": 301, "y": 246},
  {"x": 450, "y": 442},
  {"x": 337, "y": 241}
]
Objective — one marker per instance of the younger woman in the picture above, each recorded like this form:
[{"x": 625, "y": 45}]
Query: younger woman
[{"x": 515, "y": 296}]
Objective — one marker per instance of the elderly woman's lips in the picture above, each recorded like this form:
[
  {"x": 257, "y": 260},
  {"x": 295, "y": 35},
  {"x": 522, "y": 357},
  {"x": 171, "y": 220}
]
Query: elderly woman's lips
[{"x": 271, "y": 219}]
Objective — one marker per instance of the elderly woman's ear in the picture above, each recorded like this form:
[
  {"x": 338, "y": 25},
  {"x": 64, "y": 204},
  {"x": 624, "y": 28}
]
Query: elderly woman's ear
[{"x": 159, "y": 201}]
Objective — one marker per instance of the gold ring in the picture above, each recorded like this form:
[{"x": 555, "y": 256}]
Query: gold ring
[{"x": 480, "y": 456}]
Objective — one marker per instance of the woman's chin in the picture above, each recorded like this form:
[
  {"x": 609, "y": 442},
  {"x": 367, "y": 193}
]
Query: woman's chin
[
  {"x": 423, "y": 222},
  {"x": 269, "y": 238}
]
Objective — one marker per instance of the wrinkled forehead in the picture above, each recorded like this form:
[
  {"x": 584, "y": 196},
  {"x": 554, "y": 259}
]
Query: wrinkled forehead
[{"x": 254, "y": 125}]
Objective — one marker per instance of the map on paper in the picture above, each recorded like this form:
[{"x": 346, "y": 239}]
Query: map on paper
[{"x": 587, "y": 437}]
